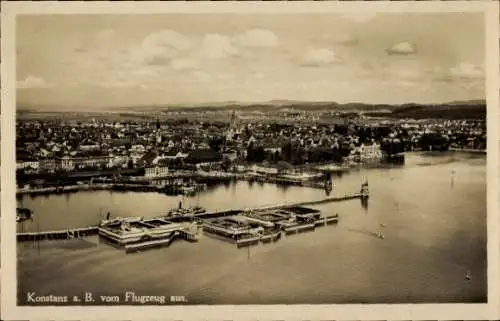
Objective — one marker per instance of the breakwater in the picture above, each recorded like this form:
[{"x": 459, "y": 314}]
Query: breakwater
[
  {"x": 169, "y": 189},
  {"x": 148, "y": 184}
]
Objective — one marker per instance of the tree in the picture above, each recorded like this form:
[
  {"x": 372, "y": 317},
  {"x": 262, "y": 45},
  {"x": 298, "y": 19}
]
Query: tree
[
  {"x": 434, "y": 141},
  {"x": 216, "y": 143},
  {"x": 226, "y": 164}
]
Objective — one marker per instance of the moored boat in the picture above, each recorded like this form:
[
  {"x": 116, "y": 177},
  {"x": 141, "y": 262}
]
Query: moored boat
[{"x": 24, "y": 214}]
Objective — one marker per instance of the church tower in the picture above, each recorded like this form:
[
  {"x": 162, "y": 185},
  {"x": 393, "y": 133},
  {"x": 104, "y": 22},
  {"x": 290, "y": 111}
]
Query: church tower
[
  {"x": 233, "y": 127},
  {"x": 158, "y": 132}
]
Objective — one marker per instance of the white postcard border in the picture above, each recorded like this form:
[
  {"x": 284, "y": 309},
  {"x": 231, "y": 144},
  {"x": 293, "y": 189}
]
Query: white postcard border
[{"x": 10, "y": 311}]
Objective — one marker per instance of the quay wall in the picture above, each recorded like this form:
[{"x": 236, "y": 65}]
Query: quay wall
[
  {"x": 137, "y": 187},
  {"x": 145, "y": 183},
  {"x": 468, "y": 150}
]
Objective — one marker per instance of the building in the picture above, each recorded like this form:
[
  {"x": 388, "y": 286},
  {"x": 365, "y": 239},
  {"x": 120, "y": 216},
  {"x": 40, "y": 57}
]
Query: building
[
  {"x": 231, "y": 155},
  {"x": 48, "y": 165},
  {"x": 265, "y": 170},
  {"x": 30, "y": 166},
  {"x": 368, "y": 153},
  {"x": 157, "y": 171},
  {"x": 71, "y": 163},
  {"x": 234, "y": 129}
]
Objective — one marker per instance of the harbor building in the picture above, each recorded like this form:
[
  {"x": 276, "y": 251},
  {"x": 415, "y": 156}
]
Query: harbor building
[
  {"x": 234, "y": 228},
  {"x": 135, "y": 233}
]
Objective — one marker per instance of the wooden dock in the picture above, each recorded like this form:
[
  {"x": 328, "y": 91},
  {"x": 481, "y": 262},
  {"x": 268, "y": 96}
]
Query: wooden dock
[
  {"x": 58, "y": 235},
  {"x": 230, "y": 212},
  {"x": 93, "y": 230}
]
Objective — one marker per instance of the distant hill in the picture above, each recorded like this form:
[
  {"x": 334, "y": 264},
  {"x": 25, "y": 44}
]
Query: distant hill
[{"x": 453, "y": 110}]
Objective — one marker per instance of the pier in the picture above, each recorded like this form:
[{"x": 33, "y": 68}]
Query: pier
[
  {"x": 243, "y": 227},
  {"x": 93, "y": 230},
  {"x": 58, "y": 235},
  {"x": 231, "y": 212}
]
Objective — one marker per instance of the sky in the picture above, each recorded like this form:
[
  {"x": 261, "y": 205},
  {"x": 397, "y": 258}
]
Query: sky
[{"x": 94, "y": 61}]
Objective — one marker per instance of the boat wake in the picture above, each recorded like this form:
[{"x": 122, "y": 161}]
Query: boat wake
[{"x": 366, "y": 232}]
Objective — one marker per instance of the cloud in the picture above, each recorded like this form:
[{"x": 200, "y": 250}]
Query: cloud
[
  {"x": 170, "y": 39},
  {"x": 168, "y": 47},
  {"x": 33, "y": 82},
  {"x": 316, "y": 57},
  {"x": 467, "y": 71},
  {"x": 182, "y": 52},
  {"x": 402, "y": 48},
  {"x": 216, "y": 46},
  {"x": 257, "y": 38},
  {"x": 160, "y": 47}
]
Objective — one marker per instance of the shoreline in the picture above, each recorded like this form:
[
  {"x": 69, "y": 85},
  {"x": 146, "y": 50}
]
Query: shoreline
[
  {"x": 172, "y": 189},
  {"x": 145, "y": 184}
]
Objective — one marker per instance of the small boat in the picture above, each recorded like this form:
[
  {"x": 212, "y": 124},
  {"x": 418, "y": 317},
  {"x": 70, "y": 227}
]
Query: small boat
[
  {"x": 24, "y": 214},
  {"x": 186, "y": 211},
  {"x": 188, "y": 190},
  {"x": 383, "y": 225},
  {"x": 121, "y": 219},
  {"x": 198, "y": 210},
  {"x": 468, "y": 276}
]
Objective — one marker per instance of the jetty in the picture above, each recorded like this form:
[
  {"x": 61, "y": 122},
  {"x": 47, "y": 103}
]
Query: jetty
[
  {"x": 243, "y": 227},
  {"x": 59, "y": 234},
  {"x": 93, "y": 230},
  {"x": 231, "y": 212}
]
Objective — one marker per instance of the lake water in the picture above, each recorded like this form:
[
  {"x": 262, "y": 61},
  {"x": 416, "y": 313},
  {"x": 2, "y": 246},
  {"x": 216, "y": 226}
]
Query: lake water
[{"x": 435, "y": 231}]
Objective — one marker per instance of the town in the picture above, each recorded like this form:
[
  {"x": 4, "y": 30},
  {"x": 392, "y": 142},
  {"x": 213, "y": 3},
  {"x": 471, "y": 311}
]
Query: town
[
  {"x": 180, "y": 156},
  {"x": 153, "y": 146}
]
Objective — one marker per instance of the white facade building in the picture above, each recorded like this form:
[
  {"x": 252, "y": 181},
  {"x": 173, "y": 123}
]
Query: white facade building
[{"x": 157, "y": 171}]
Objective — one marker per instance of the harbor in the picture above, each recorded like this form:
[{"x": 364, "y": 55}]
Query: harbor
[
  {"x": 242, "y": 227},
  {"x": 332, "y": 251},
  {"x": 176, "y": 183},
  {"x": 310, "y": 160}
]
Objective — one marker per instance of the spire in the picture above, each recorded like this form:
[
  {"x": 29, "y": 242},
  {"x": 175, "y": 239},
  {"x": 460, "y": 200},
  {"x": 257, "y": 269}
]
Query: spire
[{"x": 233, "y": 119}]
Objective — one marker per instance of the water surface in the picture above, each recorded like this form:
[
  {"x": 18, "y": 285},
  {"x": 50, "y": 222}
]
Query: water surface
[{"x": 433, "y": 209}]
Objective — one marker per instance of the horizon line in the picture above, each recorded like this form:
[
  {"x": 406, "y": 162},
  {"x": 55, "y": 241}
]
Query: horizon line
[{"x": 221, "y": 104}]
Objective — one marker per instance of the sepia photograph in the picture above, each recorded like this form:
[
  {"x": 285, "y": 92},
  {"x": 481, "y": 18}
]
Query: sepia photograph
[{"x": 200, "y": 156}]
